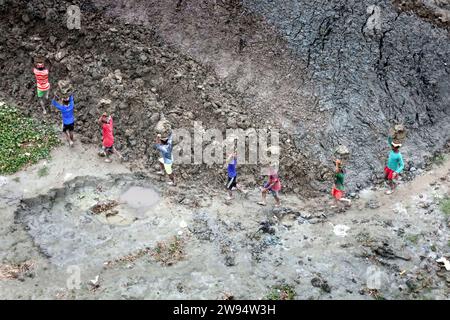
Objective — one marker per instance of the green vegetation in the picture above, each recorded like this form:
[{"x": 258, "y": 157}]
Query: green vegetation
[
  {"x": 438, "y": 159},
  {"x": 282, "y": 292},
  {"x": 24, "y": 141},
  {"x": 413, "y": 238},
  {"x": 445, "y": 205}
]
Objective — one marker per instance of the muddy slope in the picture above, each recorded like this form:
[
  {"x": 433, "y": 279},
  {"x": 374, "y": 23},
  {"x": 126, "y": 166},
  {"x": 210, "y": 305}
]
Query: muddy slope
[
  {"x": 137, "y": 70},
  {"x": 383, "y": 247},
  {"x": 325, "y": 72},
  {"x": 373, "y": 65}
]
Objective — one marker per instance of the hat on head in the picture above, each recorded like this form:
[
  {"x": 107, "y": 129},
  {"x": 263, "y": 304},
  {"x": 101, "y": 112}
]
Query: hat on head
[{"x": 396, "y": 145}]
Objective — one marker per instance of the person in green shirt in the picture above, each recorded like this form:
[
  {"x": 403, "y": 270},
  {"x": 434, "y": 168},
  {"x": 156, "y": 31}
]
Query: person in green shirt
[
  {"x": 394, "y": 165},
  {"x": 338, "y": 190}
]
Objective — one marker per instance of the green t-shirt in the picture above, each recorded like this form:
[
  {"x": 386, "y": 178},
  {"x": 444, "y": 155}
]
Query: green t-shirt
[{"x": 339, "y": 181}]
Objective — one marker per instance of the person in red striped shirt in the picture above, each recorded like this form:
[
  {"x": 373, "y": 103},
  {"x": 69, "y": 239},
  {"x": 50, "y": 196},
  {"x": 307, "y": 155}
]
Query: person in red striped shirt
[{"x": 43, "y": 85}]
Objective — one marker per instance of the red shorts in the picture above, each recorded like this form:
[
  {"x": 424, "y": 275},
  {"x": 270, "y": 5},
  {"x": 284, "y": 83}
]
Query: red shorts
[
  {"x": 338, "y": 194},
  {"x": 390, "y": 174}
]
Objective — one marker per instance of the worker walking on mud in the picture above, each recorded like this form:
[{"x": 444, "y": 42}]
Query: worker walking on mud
[
  {"x": 338, "y": 187},
  {"x": 273, "y": 185},
  {"x": 43, "y": 85},
  {"x": 68, "y": 119},
  {"x": 394, "y": 166},
  {"x": 106, "y": 122},
  {"x": 231, "y": 164},
  {"x": 164, "y": 146}
]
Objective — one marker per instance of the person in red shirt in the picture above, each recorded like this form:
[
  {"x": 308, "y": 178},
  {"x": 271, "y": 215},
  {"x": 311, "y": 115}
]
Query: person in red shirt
[
  {"x": 106, "y": 122},
  {"x": 43, "y": 85},
  {"x": 273, "y": 185}
]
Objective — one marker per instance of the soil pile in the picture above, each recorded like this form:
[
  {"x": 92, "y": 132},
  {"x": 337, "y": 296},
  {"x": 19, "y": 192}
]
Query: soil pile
[{"x": 329, "y": 73}]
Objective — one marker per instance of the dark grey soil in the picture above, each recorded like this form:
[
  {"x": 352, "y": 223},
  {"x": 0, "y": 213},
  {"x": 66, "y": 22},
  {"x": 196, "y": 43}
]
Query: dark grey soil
[{"x": 318, "y": 70}]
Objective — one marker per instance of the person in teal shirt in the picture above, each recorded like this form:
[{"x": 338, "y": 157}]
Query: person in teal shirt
[
  {"x": 338, "y": 190},
  {"x": 394, "y": 165}
]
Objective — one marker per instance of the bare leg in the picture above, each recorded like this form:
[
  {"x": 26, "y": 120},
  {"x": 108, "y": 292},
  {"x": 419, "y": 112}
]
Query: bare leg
[
  {"x": 277, "y": 200},
  {"x": 42, "y": 103},
  {"x": 71, "y": 138},
  {"x": 263, "y": 197},
  {"x": 348, "y": 202},
  {"x": 334, "y": 203},
  {"x": 172, "y": 178},
  {"x": 162, "y": 167},
  {"x": 68, "y": 137},
  {"x": 391, "y": 185}
]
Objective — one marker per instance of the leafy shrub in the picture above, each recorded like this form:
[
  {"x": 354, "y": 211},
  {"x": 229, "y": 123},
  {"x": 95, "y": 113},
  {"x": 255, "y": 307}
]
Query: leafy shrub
[{"x": 23, "y": 140}]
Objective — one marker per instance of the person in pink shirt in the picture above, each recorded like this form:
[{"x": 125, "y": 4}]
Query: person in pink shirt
[
  {"x": 107, "y": 124},
  {"x": 42, "y": 83},
  {"x": 273, "y": 185}
]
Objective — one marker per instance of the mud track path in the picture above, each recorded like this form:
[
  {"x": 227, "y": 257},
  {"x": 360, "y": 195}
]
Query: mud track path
[{"x": 239, "y": 248}]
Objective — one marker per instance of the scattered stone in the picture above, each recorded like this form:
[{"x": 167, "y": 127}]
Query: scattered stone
[
  {"x": 318, "y": 282},
  {"x": 104, "y": 207},
  {"x": 266, "y": 227},
  {"x": 385, "y": 251},
  {"x": 340, "y": 230},
  {"x": 60, "y": 55},
  {"x": 25, "y": 18},
  {"x": 373, "y": 204}
]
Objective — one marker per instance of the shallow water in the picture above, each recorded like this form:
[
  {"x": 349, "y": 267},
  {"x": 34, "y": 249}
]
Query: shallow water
[{"x": 140, "y": 198}]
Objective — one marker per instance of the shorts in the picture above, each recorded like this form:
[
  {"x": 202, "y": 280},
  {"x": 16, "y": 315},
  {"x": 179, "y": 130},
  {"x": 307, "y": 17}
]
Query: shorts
[
  {"x": 390, "y": 174},
  {"x": 231, "y": 183},
  {"x": 167, "y": 166},
  {"x": 336, "y": 193},
  {"x": 41, "y": 94},
  {"x": 272, "y": 192},
  {"x": 68, "y": 127}
]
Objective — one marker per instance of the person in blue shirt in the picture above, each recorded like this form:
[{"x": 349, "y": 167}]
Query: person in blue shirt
[
  {"x": 231, "y": 164},
  {"x": 394, "y": 165},
  {"x": 164, "y": 146},
  {"x": 68, "y": 119}
]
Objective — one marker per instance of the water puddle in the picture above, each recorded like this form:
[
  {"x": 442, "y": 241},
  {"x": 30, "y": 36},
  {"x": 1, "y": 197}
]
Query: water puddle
[{"x": 139, "y": 198}]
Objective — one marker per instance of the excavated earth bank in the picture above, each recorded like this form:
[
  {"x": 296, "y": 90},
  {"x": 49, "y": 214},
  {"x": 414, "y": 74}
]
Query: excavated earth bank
[{"x": 322, "y": 72}]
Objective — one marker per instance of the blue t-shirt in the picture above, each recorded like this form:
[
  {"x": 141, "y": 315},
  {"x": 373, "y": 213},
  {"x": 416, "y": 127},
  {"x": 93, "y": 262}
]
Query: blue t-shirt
[
  {"x": 165, "y": 150},
  {"x": 66, "y": 111},
  {"x": 232, "y": 168}
]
